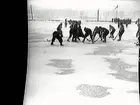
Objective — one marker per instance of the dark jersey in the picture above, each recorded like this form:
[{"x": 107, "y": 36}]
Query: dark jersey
[
  {"x": 104, "y": 30},
  {"x": 96, "y": 30},
  {"x": 59, "y": 28},
  {"x": 122, "y": 27},
  {"x": 88, "y": 31},
  {"x": 111, "y": 28}
]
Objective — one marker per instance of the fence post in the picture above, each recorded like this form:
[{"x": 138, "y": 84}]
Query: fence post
[
  {"x": 31, "y": 12},
  {"x": 98, "y": 15}
]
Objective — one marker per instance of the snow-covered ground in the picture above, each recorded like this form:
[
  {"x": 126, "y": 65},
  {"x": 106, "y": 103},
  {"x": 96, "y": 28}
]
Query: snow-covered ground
[{"x": 81, "y": 74}]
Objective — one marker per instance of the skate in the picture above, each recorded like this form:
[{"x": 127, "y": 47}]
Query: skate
[
  {"x": 119, "y": 40},
  {"x": 61, "y": 45}
]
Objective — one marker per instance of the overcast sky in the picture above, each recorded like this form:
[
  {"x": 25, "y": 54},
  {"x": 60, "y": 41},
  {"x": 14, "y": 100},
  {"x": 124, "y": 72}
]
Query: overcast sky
[{"x": 126, "y": 5}]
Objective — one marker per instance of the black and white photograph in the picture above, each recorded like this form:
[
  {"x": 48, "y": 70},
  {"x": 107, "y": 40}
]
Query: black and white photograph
[{"x": 83, "y": 52}]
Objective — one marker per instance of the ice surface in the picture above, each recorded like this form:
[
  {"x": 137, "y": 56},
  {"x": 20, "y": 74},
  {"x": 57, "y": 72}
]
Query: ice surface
[{"x": 55, "y": 72}]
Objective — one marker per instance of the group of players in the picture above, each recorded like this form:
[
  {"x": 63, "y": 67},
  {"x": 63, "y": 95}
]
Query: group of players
[
  {"x": 76, "y": 32},
  {"x": 126, "y": 22}
]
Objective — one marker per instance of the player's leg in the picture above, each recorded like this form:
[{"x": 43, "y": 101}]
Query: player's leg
[
  {"x": 120, "y": 35},
  {"x": 85, "y": 36},
  {"x": 91, "y": 37},
  {"x": 53, "y": 37},
  {"x": 60, "y": 40},
  {"x": 113, "y": 33},
  {"x": 70, "y": 35}
]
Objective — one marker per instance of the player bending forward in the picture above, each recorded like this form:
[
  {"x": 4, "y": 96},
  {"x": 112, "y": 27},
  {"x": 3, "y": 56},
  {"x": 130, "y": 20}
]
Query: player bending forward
[
  {"x": 58, "y": 35},
  {"x": 112, "y": 31}
]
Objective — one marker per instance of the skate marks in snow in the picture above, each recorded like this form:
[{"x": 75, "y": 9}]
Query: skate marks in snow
[
  {"x": 126, "y": 75},
  {"x": 104, "y": 50},
  {"x": 64, "y": 66},
  {"x": 117, "y": 64},
  {"x": 120, "y": 67},
  {"x": 109, "y": 49},
  {"x": 61, "y": 63},
  {"x": 131, "y": 51},
  {"x": 93, "y": 91}
]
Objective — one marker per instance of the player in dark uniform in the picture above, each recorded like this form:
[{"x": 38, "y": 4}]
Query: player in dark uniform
[
  {"x": 70, "y": 31},
  {"x": 78, "y": 31},
  {"x": 81, "y": 34},
  {"x": 97, "y": 30},
  {"x": 88, "y": 32},
  {"x": 58, "y": 35},
  {"x": 104, "y": 33},
  {"x": 121, "y": 31},
  {"x": 75, "y": 32},
  {"x": 112, "y": 31}
]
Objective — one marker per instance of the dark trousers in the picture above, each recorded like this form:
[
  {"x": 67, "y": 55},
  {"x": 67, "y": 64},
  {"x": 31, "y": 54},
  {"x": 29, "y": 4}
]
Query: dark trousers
[
  {"x": 70, "y": 34},
  {"x": 112, "y": 33},
  {"x": 74, "y": 38},
  {"x": 86, "y": 35},
  {"x": 100, "y": 35},
  {"x": 56, "y": 35},
  {"x": 104, "y": 35},
  {"x": 75, "y": 35},
  {"x": 81, "y": 34},
  {"x": 120, "y": 34},
  {"x": 95, "y": 36},
  {"x": 60, "y": 32}
]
